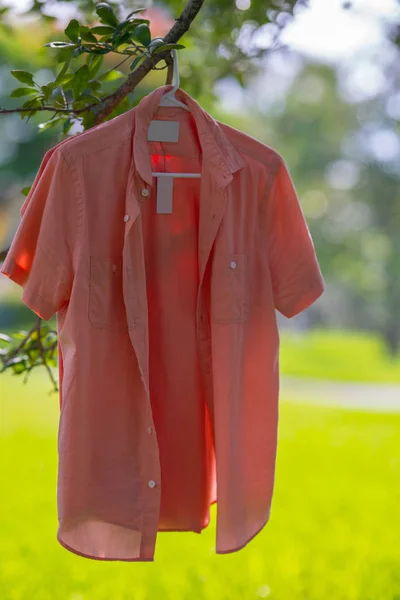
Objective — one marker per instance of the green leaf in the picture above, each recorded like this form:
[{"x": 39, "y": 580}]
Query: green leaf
[
  {"x": 59, "y": 44},
  {"x": 126, "y": 25},
  {"x": 19, "y": 367},
  {"x": 96, "y": 49},
  {"x": 135, "y": 62},
  {"x": 66, "y": 79},
  {"x": 135, "y": 11},
  {"x": 120, "y": 28},
  {"x": 5, "y": 338},
  {"x": 123, "y": 38},
  {"x": 88, "y": 119},
  {"x": 61, "y": 74},
  {"x": 48, "y": 124},
  {"x": 23, "y": 76},
  {"x": 167, "y": 47},
  {"x": 64, "y": 54},
  {"x": 78, "y": 51},
  {"x": 80, "y": 81},
  {"x": 94, "y": 85},
  {"x": 31, "y": 103},
  {"x": 111, "y": 76},
  {"x": 34, "y": 354},
  {"x": 106, "y": 14},
  {"x": 67, "y": 125},
  {"x": 20, "y": 335},
  {"x": 47, "y": 90},
  {"x": 25, "y": 191},
  {"x": 59, "y": 101},
  {"x": 102, "y": 29},
  {"x": 45, "y": 329},
  {"x": 106, "y": 39},
  {"x": 22, "y": 91},
  {"x": 94, "y": 64},
  {"x": 90, "y": 96},
  {"x": 155, "y": 44},
  {"x": 51, "y": 361},
  {"x": 28, "y": 113},
  {"x": 135, "y": 22},
  {"x": 72, "y": 30},
  {"x": 141, "y": 33},
  {"x": 80, "y": 103},
  {"x": 86, "y": 34}
]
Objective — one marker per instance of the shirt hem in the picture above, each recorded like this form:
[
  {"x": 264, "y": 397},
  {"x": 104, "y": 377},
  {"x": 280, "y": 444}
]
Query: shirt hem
[
  {"x": 231, "y": 550},
  {"x": 74, "y": 551},
  {"x": 183, "y": 530}
]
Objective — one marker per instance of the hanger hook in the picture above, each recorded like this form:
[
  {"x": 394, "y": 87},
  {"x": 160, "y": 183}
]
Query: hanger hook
[{"x": 175, "y": 69}]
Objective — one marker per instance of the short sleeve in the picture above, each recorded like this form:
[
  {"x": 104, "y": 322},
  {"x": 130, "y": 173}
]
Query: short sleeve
[
  {"x": 297, "y": 280},
  {"x": 41, "y": 256}
]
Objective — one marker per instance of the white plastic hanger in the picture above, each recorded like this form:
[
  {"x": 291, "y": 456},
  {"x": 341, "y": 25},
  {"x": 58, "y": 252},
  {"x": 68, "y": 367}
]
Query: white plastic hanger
[{"x": 169, "y": 99}]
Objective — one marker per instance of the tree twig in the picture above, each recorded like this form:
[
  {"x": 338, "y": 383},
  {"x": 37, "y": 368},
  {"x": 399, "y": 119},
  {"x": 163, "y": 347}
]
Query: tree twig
[{"x": 114, "y": 67}]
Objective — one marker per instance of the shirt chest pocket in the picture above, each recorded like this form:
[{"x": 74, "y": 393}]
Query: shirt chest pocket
[
  {"x": 230, "y": 295},
  {"x": 106, "y": 307}
]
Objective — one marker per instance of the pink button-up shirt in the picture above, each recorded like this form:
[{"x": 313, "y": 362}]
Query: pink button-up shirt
[{"x": 168, "y": 340}]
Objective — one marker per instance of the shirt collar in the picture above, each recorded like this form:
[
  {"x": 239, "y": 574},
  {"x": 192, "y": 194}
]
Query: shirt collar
[{"x": 219, "y": 154}]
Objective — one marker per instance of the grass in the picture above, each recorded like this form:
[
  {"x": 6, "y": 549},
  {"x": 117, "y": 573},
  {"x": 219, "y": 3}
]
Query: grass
[
  {"x": 338, "y": 355},
  {"x": 333, "y": 532}
]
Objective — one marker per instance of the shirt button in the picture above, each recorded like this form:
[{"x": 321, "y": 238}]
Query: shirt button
[
  {"x": 233, "y": 265},
  {"x": 114, "y": 268},
  {"x": 152, "y": 483},
  {"x": 145, "y": 192},
  {"x": 126, "y": 218},
  {"x": 149, "y": 430}
]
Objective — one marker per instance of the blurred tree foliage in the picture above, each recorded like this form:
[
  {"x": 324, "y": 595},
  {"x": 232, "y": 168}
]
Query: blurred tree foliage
[
  {"x": 79, "y": 69},
  {"x": 350, "y": 196}
]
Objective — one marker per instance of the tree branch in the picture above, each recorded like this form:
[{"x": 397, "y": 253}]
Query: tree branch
[{"x": 4, "y": 111}]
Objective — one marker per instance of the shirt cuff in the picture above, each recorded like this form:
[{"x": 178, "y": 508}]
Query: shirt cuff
[{"x": 303, "y": 301}]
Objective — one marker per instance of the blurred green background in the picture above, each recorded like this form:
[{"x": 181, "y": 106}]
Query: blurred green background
[{"x": 319, "y": 82}]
